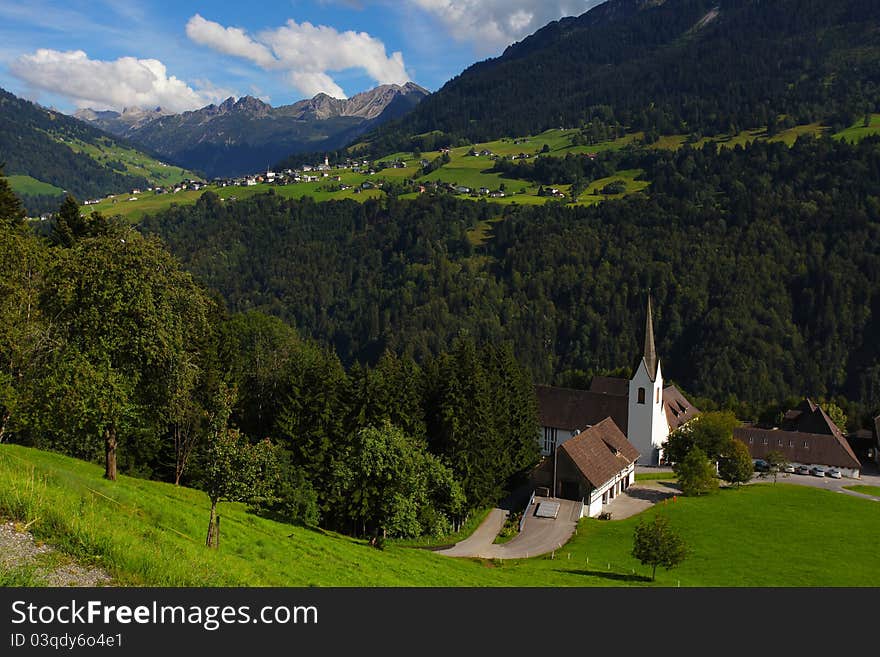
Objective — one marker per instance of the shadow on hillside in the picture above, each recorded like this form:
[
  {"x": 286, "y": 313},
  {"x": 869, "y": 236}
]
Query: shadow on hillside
[{"x": 618, "y": 577}]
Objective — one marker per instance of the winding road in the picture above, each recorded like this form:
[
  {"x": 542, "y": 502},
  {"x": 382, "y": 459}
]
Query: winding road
[{"x": 538, "y": 535}]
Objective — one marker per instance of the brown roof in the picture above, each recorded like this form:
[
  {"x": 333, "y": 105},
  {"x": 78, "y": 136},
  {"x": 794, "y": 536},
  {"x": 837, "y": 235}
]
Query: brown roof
[
  {"x": 609, "y": 385},
  {"x": 679, "y": 410},
  {"x": 600, "y": 452},
  {"x": 821, "y": 448},
  {"x": 565, "y": 408},
  {"x": 808, "y": 417}
]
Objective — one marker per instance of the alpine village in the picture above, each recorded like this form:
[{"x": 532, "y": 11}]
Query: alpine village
[{"x": 603, "y": 310}]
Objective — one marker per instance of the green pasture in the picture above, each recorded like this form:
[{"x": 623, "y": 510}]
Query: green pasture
[{"x": 150, "y": 533}]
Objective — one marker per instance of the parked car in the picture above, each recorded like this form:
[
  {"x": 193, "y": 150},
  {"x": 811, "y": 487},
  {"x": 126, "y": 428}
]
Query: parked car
[
  {"x": 789, "y": 468},
  {"x": 818, "y": 472},
  {"x": 802, "y": 469},
  {"x": 834, "y": 473},
  {"x": 761, "y": 465}
]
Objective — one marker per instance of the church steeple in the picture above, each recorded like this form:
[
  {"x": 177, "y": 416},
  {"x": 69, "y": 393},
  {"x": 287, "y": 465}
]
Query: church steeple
[{"x": 650, "y": 355}]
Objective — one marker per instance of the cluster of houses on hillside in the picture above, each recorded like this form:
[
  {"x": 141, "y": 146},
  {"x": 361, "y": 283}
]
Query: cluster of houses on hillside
[
  {"x": 133, "y": 194},
  {"x": 592, "y": 440},
  {"x": 304, "y": 174}
]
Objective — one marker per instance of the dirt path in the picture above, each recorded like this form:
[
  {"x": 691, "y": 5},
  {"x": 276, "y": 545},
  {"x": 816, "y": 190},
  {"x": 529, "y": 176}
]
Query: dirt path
[{"x": 44, "y": 565}]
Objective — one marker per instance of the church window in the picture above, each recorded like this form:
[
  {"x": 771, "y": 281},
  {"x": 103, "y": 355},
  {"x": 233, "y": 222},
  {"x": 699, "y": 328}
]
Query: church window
[
  {"x": 658, "y": 395},
  {"x": 549, "y": 439},
  {"x": 641, "y": 395}
]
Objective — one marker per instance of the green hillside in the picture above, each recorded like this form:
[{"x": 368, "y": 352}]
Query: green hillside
[
  {"x": 464, "y": 169},
  {"x": 678, "y": 66},
  {"x": 47, "y": 153},
  {"x": 150, "y": 533}
]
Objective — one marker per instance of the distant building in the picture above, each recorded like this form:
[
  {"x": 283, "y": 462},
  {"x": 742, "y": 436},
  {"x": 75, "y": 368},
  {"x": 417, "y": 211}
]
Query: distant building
[
  {"x": 644, "y": 410},
  {"x": 807, "y": 437}
]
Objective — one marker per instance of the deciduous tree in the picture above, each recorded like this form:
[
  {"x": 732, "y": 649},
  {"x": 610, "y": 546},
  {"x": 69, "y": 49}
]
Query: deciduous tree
[
  {"x": 735, "y": 464},
  {"x": 696, "y": 473},
  {"x": 656, "y": 544}
]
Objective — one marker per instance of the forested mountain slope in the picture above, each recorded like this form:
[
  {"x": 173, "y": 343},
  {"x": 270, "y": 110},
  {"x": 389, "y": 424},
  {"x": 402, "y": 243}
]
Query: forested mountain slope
[
  {"x": 763, "y": 262},
  {"x": 704, "y": 66},
  {"x": 52, "y": 153}
]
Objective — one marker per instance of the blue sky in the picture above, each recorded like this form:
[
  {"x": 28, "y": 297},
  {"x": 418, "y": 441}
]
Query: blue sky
[{"x": 109, "y": 54}]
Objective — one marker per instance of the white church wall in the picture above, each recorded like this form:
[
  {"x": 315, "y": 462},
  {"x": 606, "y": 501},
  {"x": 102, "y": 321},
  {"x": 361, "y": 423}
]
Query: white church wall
[{"x": 647, "y": 428}]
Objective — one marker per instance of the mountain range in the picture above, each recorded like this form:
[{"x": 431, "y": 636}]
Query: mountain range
[{"x": 245, "y": 135}]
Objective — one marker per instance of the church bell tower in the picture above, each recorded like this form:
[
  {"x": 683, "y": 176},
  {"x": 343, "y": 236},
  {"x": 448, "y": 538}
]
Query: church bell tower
[{"x": 647, "y": 427}]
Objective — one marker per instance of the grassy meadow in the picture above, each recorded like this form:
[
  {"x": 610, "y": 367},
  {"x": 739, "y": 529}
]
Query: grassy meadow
[
  {"x": 131, "y": 161},
  {"x": 151, "y": 533},
  {"x": 32, "y": 187},
  {"x": 865, "y": 490}
]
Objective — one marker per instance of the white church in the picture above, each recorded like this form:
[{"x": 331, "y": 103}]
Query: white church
[{"x": 643, "y": 408}]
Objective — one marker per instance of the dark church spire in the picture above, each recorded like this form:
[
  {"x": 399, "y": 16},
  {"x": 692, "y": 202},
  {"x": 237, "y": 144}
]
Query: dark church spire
[{"x": 650, "y": 350}]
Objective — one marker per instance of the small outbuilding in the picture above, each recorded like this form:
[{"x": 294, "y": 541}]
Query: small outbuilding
[{"x": 594, "y": 467}]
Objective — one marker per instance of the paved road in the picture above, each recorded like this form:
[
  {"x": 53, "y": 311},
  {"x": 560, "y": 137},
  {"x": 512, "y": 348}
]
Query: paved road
[
  {"x": 538, "y": 536},
  {"x": 481, "y": 540}
]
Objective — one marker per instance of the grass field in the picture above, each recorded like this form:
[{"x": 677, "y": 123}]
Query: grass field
[
  {"x": 149, "y": 533},
  {"x": 656, "y": 476},
  {"x": 866, "y": 490},
  {"x": 33, "y": 187},
  {"x": 858, "y": 130},
  {"x": 150, "y": 203}
]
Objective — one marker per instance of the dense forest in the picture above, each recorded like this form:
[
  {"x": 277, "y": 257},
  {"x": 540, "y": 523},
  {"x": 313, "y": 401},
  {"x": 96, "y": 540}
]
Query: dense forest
[
  {"x": 110, "y": 351},
  {"x": 31, "y": 143},
  {"x": 763, "y": 263},
  {"x": 680, "y": 66}
]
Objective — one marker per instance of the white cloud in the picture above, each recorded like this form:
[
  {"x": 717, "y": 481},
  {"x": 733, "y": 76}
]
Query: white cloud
[
  {"x": 124, "y": 82},
  {"x": 490, "y": 25},
  {"x": 306, "y": 53},
  {"x": 228, "y": 40}
]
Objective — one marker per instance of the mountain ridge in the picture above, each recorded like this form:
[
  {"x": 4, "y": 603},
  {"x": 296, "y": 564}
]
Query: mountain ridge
[{"x": 242, "y": 135}]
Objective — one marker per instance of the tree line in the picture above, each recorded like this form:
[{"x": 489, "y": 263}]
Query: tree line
[{"x": 111, "y": 352}]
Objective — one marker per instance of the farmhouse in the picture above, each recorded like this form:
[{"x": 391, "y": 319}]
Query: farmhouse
[
  {"x": 807, "y": 437},
  {"x": 641, "y": 407}
]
